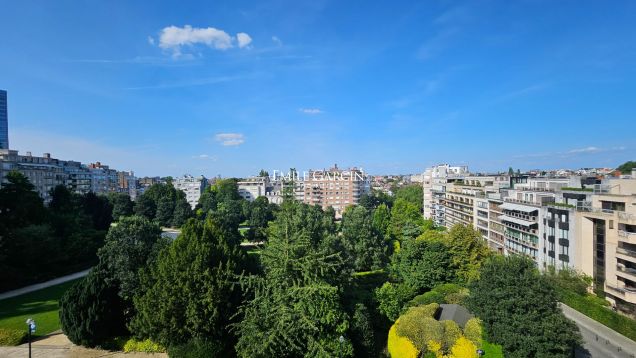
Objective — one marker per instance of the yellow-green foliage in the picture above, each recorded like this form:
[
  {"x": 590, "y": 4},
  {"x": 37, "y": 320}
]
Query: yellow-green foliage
[
  {"x": 473, "y": 331},
  {"x": 424, "y": 311},
  {"x": 463, "y": 348},
  {"x": 11, "y": 337},
  {"x": 420, "y": 330},
  {"x": 147, "y": 346},
  {"x": 452, "y": 332},
  {"x": 400, "y": 347}
]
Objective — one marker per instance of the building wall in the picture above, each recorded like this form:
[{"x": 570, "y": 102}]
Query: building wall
[
  {"x": 193, "y": 187},
  {"x": 4, "y": 121},
  {"x": 335, "y": 187}
]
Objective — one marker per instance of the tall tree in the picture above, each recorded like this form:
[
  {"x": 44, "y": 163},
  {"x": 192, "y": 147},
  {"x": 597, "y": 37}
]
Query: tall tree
[
  {"x": 364, "y": 244},
  {"x": 468, "y": 251},
  {"x": 191, "y": 292},
  {"x": 422, "y": 264},
  {"x": 260, "y": 214},
  {"x": 519, "y": 309},
  {"x": 405, "y": 215},
  {"x": 122, "y": 205},
  {"x": 413, "y": 194}
]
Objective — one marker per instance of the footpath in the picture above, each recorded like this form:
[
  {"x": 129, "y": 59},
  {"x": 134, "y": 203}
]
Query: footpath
[{"x": 39, "y": 286}]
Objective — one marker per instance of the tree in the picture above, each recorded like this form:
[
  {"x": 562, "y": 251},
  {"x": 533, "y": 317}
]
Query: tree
[
  {"x": 129, "y": 247},
  {"x": 362, "y": 333},
  {"x": 263, "y": 173},
  {"x": 363, "y": 242},
  {"x": 391, "y": 298},
  {"x": 295, "y": 308},
  {"x": 190, "y": 292},
  {"x": 519, "y": 311},
  {"x": 511, "y": 171},
  {"x": 382, "y": 221},
  {"x": 122, "y": 205},
  {"x": 182, "y": 210},
  {"x": 422, "y": 265},
  {"x": 413, "y": 194},
  {"x": 374, "y": 199},
  {"x": 20, "y": 204},
  {"x": 165, "y": 211},
  {"x": 91, "y": 312},
  {"x": 260, "y": 214},
  {"x": 405, "y": 215},
  {"x": 627, "y": 167},
  {"x": 146, "y": 207},
  {"x": 468, "y": 251},
  {"x": 98, "y": 209}
]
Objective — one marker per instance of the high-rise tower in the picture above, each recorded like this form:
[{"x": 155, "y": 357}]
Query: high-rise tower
[{"x": 4, "y": 121}]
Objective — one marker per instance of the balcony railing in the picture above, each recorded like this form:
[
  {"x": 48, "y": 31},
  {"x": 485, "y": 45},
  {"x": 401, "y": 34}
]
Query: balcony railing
[
  {"x": 627, "y": 270},
  {"x": 630, "y": 253}
]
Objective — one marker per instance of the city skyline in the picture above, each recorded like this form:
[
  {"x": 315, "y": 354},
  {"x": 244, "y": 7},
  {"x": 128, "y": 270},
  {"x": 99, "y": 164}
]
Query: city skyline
[{"x": 393, "y": 88}]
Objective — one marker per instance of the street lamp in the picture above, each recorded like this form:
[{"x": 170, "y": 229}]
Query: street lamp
[
  {"x": 30, "y": 330},
  {"x": 480, "y": 352}
]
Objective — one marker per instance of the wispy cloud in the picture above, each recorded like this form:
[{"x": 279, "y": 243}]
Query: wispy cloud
[
  {"x": 213, "y": 158},
  {"x": 572, "y": 152},
  {"x": 190, "y": 83},
  {"x": 277, "y": 41},
  {"x": 230, "y": 139},
  {"x": 174, "y": 38},
  {"x": 523, "y": 92},
  {"x": 310, "y": 110}
]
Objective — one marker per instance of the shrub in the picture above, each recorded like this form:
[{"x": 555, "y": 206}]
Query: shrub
[
  {"x": 452, "y": 333},
  {"x": 391, "y": 298},
  {"x": 91, "y": 311},
  {"x": 425, "y": 311},
  {"x": 420, "y": 329},
  {"x": 426, "y": 298},
  {"x": 457, "y": 297},
  {"x": 400, "y": 347},
  {"x": 473, "y": 331},
  {"x": 447, "y": 288},
  {"x": 11, "y": 337},
  {"x": 362, "y": 335},
  {"x": 147, "y": 346},
  {"x": 196, "y": 348},
  {"x": 463, "y": 349}
]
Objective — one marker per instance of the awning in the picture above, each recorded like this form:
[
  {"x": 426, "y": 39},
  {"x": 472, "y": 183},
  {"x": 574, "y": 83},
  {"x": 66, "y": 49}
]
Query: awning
[
  {"x": 516, "y": 220},
  {"x": 517, "y": 207}
]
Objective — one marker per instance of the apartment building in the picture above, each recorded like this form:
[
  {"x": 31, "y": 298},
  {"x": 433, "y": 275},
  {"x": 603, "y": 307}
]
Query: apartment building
[
  {"x": 192, "y": 186},
  {"x": 4, "y": 121},
  {"x": 434, "y": 181},
  {"x": 251, "y": 188},
  {"x": 608, "y": 241},
  {"x": 335, "y": 187}
]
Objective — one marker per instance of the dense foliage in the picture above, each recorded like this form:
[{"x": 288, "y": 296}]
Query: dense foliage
[
  {"x": 627, "y": 167},
  {"x": 164, "y": 204},
  {"x": 519, "y": 309},
  {"x": 39, "y": 242}
]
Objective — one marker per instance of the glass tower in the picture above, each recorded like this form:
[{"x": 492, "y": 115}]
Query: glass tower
[{"x": 4, "y": 121}]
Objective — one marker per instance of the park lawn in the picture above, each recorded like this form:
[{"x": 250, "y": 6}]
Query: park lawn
[
  {"x": 491, "y": 350},
  {"x": 41, "y": 305}
]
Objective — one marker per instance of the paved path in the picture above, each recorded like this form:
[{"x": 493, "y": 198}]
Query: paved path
[
  {"x": 599, "y": 340},
  {"x": 57, "y": 345},
  {"x": 39, "y": 286}
]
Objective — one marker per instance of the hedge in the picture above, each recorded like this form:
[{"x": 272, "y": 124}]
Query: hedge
[
  {"x": 147, "y": 346},
  {"x": 400, "y": 347},
  {"x": 599, "y": 313},
  {"x": 11, "y": 337}
]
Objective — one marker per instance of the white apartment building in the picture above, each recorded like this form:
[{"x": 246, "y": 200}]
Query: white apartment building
[
  {"x": 251, "y": 188},
  {"x": 434, "y": 182},
  {"x": 193, "y": 187}
]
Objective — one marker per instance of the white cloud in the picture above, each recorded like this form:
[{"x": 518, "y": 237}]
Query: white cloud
[
  {"x": 585, "y": 150},
  {"x": 230, "y": 139},
  {"x": 213, "y": 158},
  {"x": 277, "y": 41},
  {"x": 175, "y": 38},
  {"x": 243, "y": 39},
  {"x": 311, "y": 110},
  {"x": 151, "y": 40}
]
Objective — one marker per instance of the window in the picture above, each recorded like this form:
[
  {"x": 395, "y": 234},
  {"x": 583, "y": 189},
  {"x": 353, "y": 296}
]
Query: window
[{"x": 611, "y": 224}]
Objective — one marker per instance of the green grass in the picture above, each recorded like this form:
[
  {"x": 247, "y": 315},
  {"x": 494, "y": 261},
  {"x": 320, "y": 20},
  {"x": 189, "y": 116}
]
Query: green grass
[
  {"x": 243, "y": 231},
  {"x": 491, "y": 350},
  {"x": 41, "y": 305}
]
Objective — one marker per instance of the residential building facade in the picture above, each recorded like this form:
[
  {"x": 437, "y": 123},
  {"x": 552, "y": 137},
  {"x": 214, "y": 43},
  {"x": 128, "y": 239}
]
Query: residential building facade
[
  {"x": 4, "y": 120},
  {"x": 335, "y": 187},
  {"x": 192, "y": 186}
]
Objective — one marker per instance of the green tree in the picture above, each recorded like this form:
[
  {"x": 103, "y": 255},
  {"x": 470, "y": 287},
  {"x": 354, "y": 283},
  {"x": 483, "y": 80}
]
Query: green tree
[
  {"x": 260, "y": 214},
  {"x": 91, "y": 312},
  {"x": 129, "y": 247},
  {"x": 165, "y": 211},
  {"x": 468, "y": 251},
  {"x": 362, "y": 332},
  {"x": 422, "y": 265},
  {"x": 364, "y": 244},
  {"x": 190, "y": 291},
  {"x": 145, "y": 206},
  {"x": 122, "y": 205},
  {"x": 382, "y": 221},
  {"x": 98, "y": 209},
  {"x": 182, "y": 210},
  {"x": 519, "y": 309},
  {"x": 392, "y": 297},
  {"x": 627, "y": 167},
  {"x": 413, "y": 194},
  {"x": 405, "y": 215},
  {"x": 295, "y": 310}
]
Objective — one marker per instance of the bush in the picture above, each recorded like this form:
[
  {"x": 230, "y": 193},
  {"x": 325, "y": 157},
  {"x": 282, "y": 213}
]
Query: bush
[
  {"x": 391, "y": 298},
  {"x": 463, "y": 349},
  {"x": 91, "y": 311},
  {"x": 473, "y": 331},
  {"x": 362, "y": 335},
  {"x": 425, "y": 311},
  {"x": 12, "y": 337},
  {"x": 452, "y": 333},
  {"x": 400, "y": 347},
  {"x": 426, "y": 298},
  {"x": 420, "y": 330},
  {"x": 196, "y": 349},
  {"x": 457, "y": 298},
  {"x": 147, "y": 346}
]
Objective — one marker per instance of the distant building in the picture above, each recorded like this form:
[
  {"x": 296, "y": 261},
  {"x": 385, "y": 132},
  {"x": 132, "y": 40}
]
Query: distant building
[
  {"x": 4, "y": 121},
  {"x": 338, "y": 188},
  {"x": 251, "y": 188},
  {"x": 193, "y": 187}
]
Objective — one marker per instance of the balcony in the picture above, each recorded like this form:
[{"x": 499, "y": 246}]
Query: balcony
[
  {"x": 626, "y": 236},
  {"x": 630, "y": 273},
  {"x": 626, "y": 218},
  {"x": 631, "y": 254},
  {"x": 626, "y": 293}
]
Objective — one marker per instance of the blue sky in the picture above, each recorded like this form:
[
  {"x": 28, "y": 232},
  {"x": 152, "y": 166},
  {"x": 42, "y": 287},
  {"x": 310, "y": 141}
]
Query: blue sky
[{"x": 167, "y": 88}]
